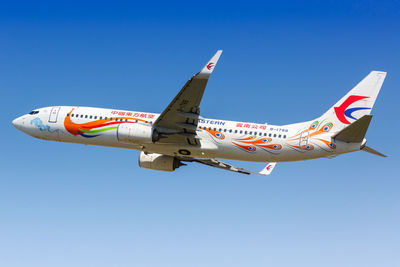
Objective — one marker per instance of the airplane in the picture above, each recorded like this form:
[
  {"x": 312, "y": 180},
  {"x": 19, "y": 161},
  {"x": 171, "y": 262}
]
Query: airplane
[{"x": 180, "y": 134}]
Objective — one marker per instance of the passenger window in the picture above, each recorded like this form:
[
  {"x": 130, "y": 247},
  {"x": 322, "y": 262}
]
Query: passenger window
[
  {"x": 241, "y": 131},
  {"x": 82, "y": 116},
  {"x": 235, "y": 131},
  {"x": 121, "y": 119},
  {"x": 274, "y": 135},
  {"x": 95, "y": 117},
  {"x": 86, "y": 116},
  {"x": 91, "y": 116},
  {"x": 245, "y": 132},
  {"x": 111, "y": 119},
  {"x": 101, "y": 117},
  {"x": 126, "y": 120},
  {"x": 250, "y": 133},
  {"x": 265, "y": 134},
  {"x": 260, "y": 134},
  {"x": 230, "y": 130},
  {"x": 270, "y": 135},
  {"x": 284, "y": 136},
  {"x": 279, "y": 136},
  {"x": 225, "y": 130},
  {"x": 215, "y": 129},
  {"x": 209, "y": 128},
  {"x": 220, "y": 129}
]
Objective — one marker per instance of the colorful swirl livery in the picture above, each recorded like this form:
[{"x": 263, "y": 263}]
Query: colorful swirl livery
[{"x": 95, "y": 128}]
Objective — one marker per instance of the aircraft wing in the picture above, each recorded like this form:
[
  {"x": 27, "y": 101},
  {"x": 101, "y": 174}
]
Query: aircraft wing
[
  {"x": 178, "y": 122},
  {"x": 226, "y": 166}
]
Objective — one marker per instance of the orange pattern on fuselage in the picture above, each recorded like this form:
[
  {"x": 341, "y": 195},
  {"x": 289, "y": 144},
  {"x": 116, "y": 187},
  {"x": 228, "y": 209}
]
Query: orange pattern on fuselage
[{"x": 74, "y": 128}]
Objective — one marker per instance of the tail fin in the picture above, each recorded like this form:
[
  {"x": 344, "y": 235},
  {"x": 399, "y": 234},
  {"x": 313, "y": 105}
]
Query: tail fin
[{"x": 356, "y": 103}]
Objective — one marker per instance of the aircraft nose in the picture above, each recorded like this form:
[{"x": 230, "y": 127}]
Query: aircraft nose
[{"x": 18, "y": 123}]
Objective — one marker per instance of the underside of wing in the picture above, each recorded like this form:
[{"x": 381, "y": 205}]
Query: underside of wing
[
  {"x": 178, "y": 122},
  {"x": 226, "y": 166}
]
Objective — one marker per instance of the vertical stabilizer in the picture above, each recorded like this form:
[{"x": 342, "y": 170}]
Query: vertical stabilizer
[{"x": 356, "y": 103}]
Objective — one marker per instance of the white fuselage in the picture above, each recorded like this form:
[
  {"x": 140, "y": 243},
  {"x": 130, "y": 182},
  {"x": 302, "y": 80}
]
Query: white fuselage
[{"x": 218, "y": 138}]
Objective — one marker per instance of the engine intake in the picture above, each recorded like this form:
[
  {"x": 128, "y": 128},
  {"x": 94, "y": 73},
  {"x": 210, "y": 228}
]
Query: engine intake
[
  {"x": 136, "y": 133},
  {"x": 159, "y": 162}
]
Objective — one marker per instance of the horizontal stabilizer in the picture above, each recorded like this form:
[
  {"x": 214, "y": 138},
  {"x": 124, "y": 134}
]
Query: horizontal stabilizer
[
  {"x": 373, "y": 151},
  {"x": 355, "y": 132}
]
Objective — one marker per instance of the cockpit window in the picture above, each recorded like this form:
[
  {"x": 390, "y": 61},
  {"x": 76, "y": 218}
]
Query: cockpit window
[{"x": 33, "y": 112}]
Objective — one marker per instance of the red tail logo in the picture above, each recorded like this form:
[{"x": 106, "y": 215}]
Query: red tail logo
[{"x": 342, "y": 112}]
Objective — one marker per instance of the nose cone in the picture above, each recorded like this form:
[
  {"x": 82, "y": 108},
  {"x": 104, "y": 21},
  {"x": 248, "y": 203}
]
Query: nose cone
[{"x": 18, "y": 123}]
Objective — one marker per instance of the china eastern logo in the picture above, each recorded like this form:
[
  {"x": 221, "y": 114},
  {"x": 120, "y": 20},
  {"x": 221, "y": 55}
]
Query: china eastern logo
[
  {"x": 210, "y": 66},
  {"x": 343, "y": 112}
]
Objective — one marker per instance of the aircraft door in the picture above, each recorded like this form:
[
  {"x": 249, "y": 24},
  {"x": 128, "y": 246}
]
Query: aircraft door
[
  {"x": 54, "y": 114},
  {"x": 303, "y": 141}
]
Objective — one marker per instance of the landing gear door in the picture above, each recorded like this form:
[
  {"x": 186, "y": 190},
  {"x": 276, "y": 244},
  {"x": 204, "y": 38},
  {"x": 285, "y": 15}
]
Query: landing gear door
[
  {"x": 303, "y": 141},
  {"x": 54, "y": 114}
]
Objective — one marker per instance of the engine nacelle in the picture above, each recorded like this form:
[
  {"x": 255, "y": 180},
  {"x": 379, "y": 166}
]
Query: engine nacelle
[
  {"x": 136, "y": 133},
  {"x": 158, "y": 162}
]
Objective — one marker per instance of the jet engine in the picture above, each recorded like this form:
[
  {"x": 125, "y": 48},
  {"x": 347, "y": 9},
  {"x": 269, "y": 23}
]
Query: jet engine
[
  {"x": 136, "y": 133},
  {"x": 158, "y": 162}
]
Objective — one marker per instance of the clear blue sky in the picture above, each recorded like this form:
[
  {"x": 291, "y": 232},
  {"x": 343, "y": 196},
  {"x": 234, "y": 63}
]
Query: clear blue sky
[{"x": 284, "y": 61}]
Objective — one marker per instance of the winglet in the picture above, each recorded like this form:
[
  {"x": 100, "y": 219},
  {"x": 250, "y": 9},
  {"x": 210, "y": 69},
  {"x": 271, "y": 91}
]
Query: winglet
[
  {"x": 268, "y": 169},
  {"x": 209, "y": 67}
]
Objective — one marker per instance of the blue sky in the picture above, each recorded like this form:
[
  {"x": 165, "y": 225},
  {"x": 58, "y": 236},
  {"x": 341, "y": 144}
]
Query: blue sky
[{"x": 283, "y": 62}]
